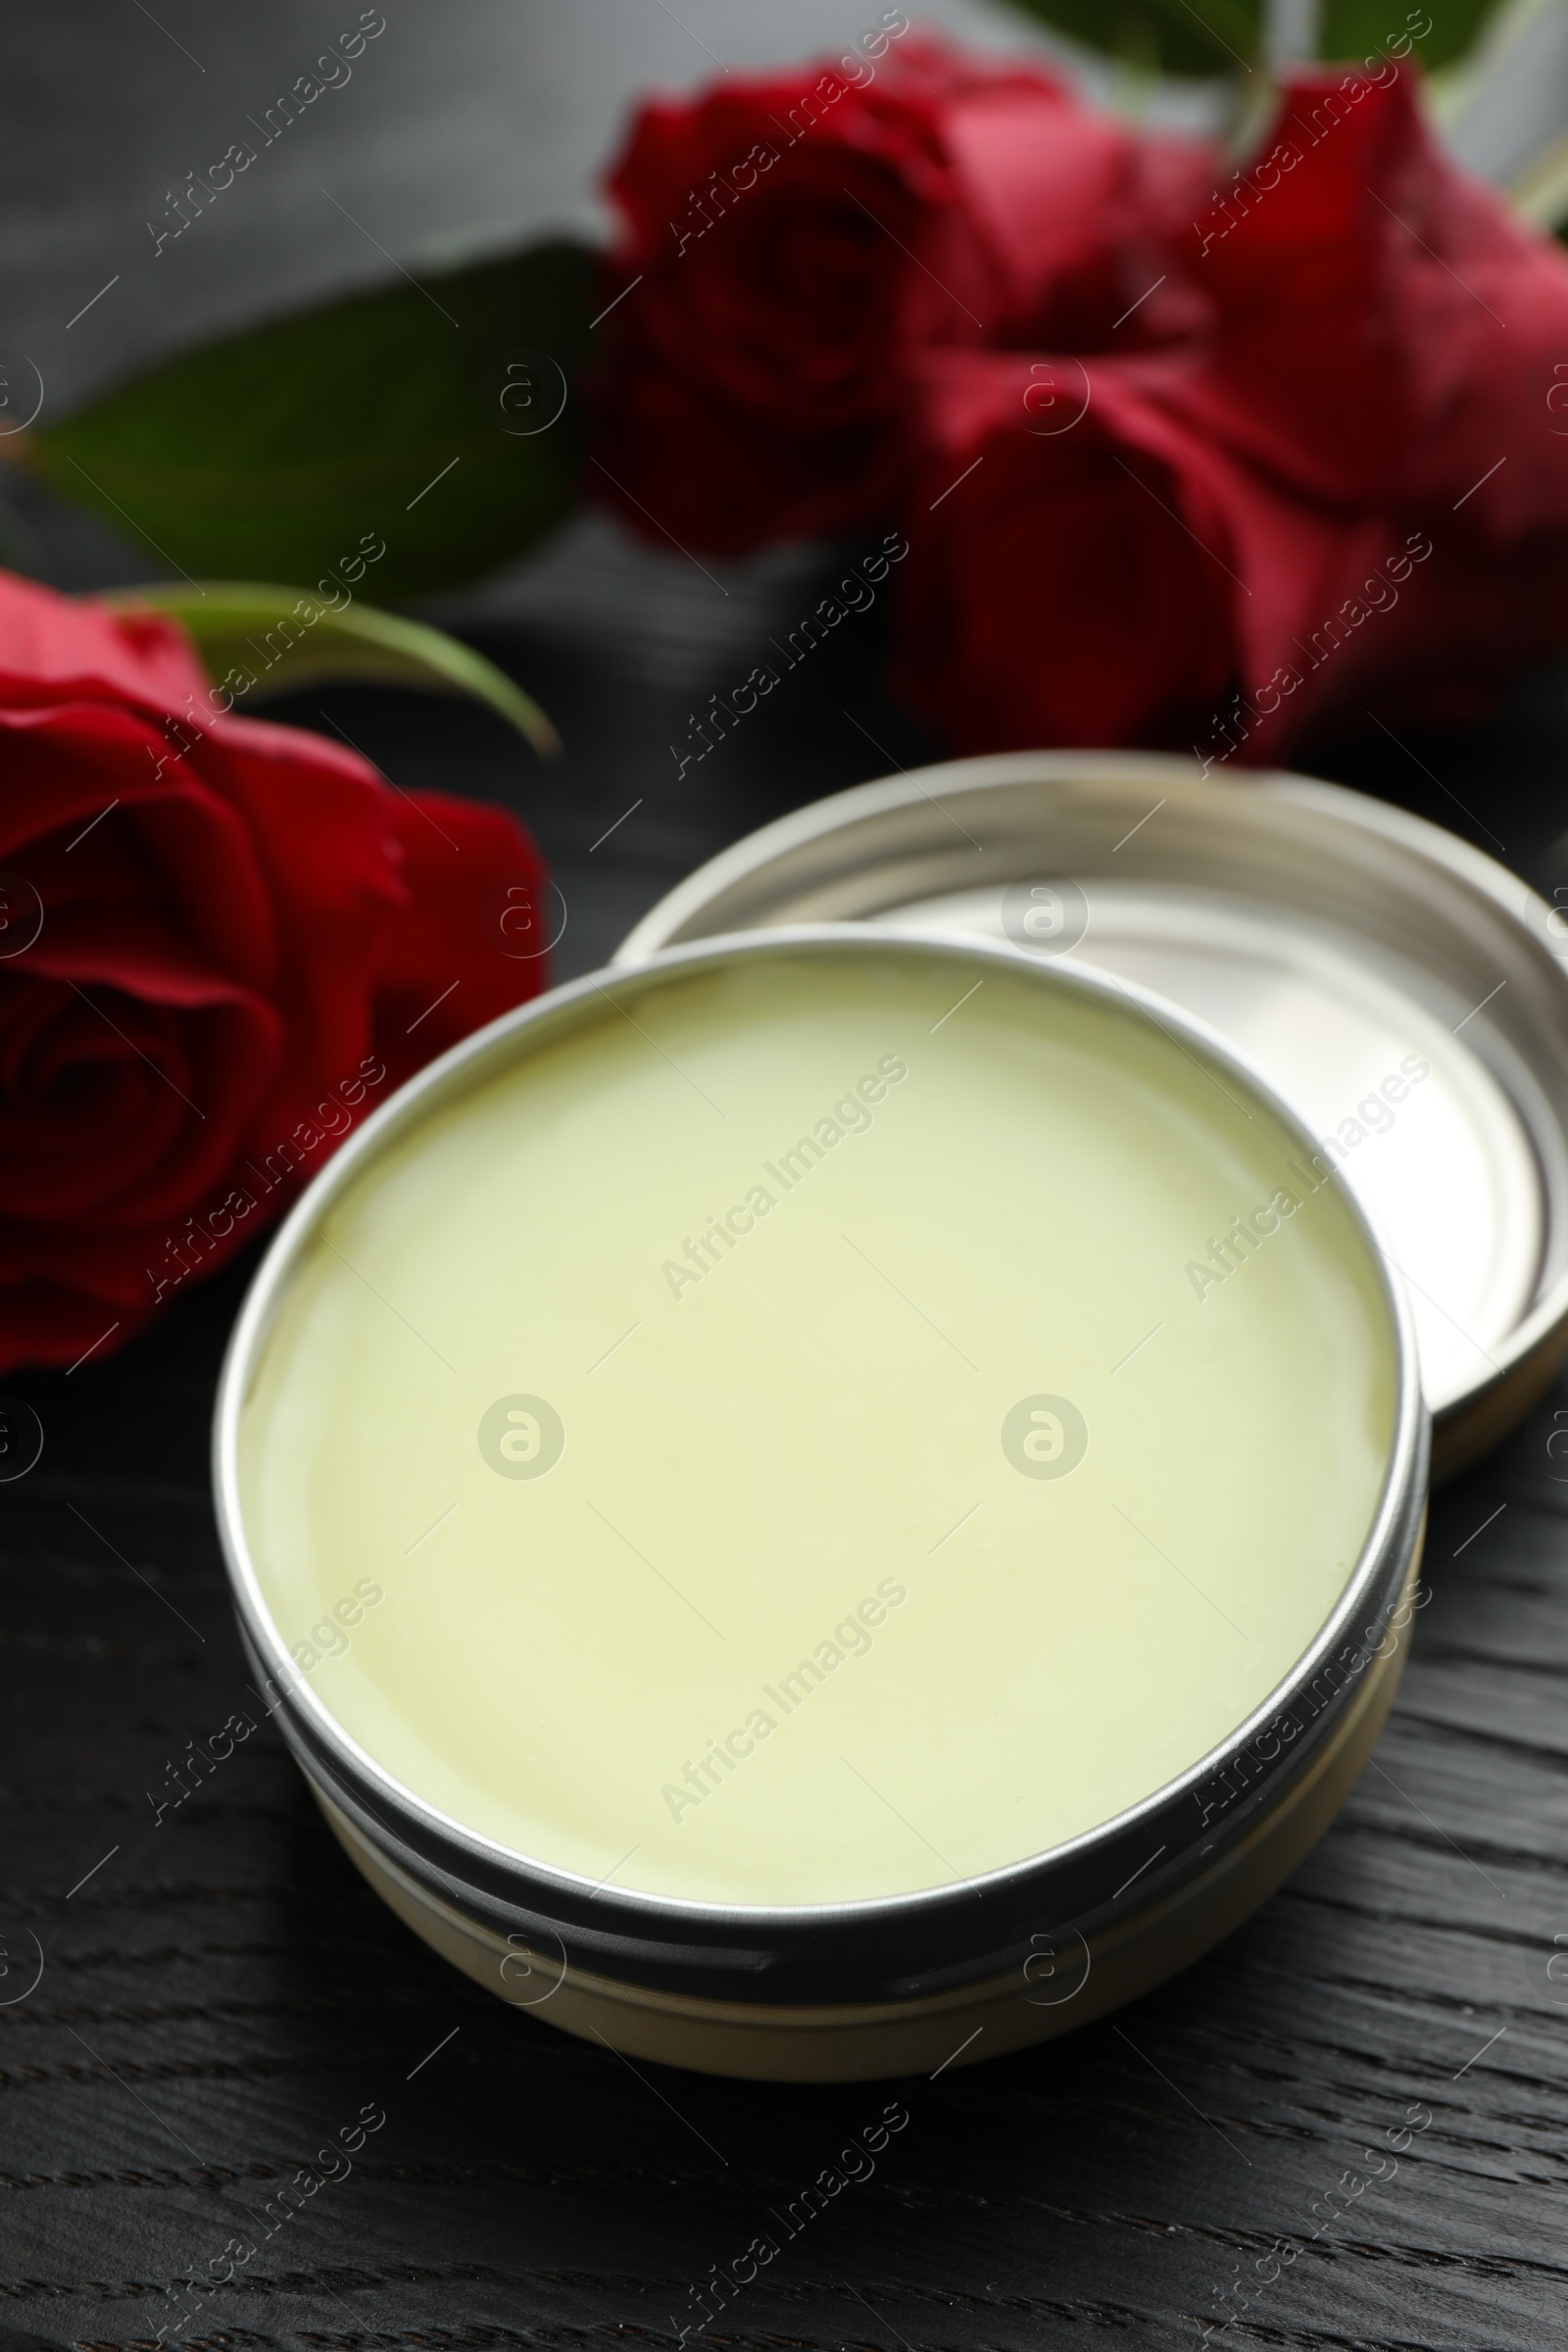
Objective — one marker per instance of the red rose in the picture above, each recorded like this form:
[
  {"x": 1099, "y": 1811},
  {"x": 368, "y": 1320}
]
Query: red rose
[
  {"x": 1346, "y": 493},
  {"x": 217, "y": 938},
  {"x": 791, "y": 244},
  {"x": 1388, "y": 327},
  {"x": 1071, "y": 573},
  {"x": 1088, "y": 566}
]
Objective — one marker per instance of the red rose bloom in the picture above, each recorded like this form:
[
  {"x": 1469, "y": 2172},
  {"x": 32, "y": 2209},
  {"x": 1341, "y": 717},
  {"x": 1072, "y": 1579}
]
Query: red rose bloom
[
  {"x": 1341, "y": 493},
  {"x": 792, "y": 242},
  {"x": 1073, "y": 558},
  {"x": 1325, "y": 466},
  {"x": 221, "y": 941},
  {"x": 1388, "y": 327},
  {"x": 1088, "y": 566}
]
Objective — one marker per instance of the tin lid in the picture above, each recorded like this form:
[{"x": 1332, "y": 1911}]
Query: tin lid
[{"x": 1406, "y": 994}]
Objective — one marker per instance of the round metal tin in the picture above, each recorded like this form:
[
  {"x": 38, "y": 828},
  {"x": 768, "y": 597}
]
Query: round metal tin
[
  {"x": 958, "y": 1972},
  {"x": 1338, "y": 942}
]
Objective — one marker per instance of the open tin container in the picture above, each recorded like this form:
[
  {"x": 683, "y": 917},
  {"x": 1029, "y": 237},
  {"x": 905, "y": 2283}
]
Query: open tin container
[
  {"x": 1050, "y": 1389},
  {"x": 1404, "y": 992}
]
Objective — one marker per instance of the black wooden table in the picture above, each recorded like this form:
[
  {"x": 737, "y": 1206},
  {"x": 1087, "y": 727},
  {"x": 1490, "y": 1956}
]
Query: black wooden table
[{"x": 220, "y": 1995}]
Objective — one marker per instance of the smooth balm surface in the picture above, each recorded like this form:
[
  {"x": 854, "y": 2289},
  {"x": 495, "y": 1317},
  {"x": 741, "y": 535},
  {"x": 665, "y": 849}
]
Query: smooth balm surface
[{"x": 792, "y": 1453}]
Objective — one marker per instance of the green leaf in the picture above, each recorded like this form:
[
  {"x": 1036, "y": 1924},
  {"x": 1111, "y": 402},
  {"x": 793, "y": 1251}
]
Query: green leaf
[
  {"x": 1160, "y": 35},
  {"x": 285, "y": 637},
  {"x": 1216, "y": 37},
  {"x": 1362, "y": 28},
  {"x": 269, "y": 455}
]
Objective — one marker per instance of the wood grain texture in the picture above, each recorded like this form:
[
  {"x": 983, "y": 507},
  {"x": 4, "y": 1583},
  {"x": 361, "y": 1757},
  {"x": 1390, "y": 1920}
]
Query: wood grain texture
[{"x": 221, "y": 1993}]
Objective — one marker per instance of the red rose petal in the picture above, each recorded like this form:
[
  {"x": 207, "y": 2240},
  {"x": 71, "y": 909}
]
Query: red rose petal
[
  {"x": 58, "y": 648},
  {"x": 476, "y": 941}
]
